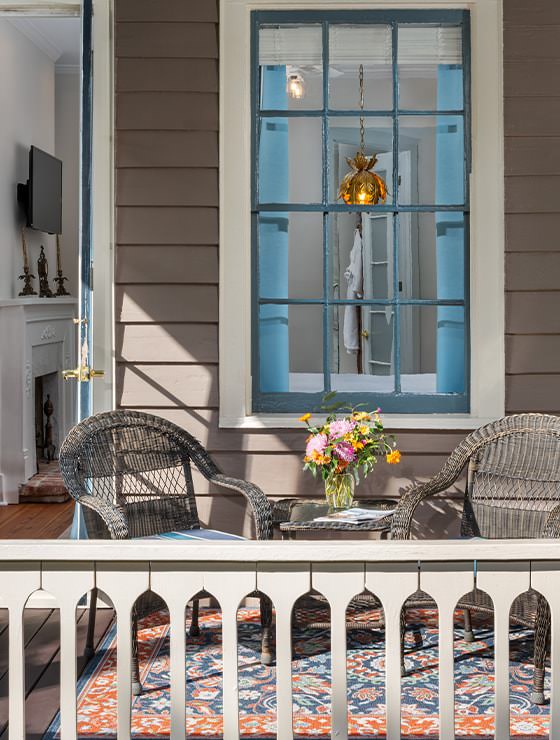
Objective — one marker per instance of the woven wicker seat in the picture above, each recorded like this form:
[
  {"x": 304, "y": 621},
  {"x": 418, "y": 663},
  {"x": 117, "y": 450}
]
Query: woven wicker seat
[
  {"x": 131, "y": 473},
  {"x": 512, "y": 491}
]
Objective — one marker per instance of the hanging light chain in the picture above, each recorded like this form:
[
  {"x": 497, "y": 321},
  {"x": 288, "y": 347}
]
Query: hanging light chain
[{"x": 362, "y": 127}]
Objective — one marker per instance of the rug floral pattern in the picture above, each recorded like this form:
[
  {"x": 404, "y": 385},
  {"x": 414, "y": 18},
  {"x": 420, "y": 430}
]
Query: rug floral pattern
[{"x": 97, "y": 700}]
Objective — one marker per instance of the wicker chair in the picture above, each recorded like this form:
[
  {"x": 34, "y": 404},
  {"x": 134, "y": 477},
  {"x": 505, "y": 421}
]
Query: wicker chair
[
  {"x": 512, "y": 491},
  {"x": 131, "y": 473}
]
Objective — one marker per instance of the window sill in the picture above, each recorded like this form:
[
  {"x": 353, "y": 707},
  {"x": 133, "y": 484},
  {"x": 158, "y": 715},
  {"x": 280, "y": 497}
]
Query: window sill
[{"x": 455, "y": 422}]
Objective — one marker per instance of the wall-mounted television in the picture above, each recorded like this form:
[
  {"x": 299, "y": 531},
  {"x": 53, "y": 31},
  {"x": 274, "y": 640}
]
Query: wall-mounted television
[{"x": 41, "y": 196}]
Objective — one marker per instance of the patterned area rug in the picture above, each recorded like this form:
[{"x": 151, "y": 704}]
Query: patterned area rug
[{"x": 474, "y": 682}]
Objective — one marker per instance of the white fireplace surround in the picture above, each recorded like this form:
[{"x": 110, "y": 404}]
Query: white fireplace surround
[{"x": 37, "y": 337}]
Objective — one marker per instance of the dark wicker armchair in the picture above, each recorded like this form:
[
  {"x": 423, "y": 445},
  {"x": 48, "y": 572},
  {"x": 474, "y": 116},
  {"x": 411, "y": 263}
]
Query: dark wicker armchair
[
  {"x": 512, "y": 491},
  {"x": 131, "y": 473}
]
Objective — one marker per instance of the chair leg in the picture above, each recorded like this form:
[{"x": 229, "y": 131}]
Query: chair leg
[
  {"x": 194, "y": 629},
  {"x": 136, "y": 685},
  {"x": 89, "y": 649},
  {"x": 542, "y": 636},
  {"x": 468, "y": 634},
  {"x": 266, "y": 625},
  {"x": 403, "y": 630}
]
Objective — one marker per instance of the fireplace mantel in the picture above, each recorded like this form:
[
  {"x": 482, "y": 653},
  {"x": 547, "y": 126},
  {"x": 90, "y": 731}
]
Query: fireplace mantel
[{"x": 37, "y": 337}]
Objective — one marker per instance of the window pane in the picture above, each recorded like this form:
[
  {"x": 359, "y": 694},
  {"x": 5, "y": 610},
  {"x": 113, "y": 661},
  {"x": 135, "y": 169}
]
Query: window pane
[
  {"x": 432, "y": 349},
  {"x": 344, "y": 142},
  {"x": 430, "y": 68},
  {"x": 361, "y": 263},
  {"x": 350, "y": 46},
  {"x": 288, "y": 53},
  {"x": 431, "y": 160},
  {"x": 362, "y": 349},
  {"x": 290, "y": 160},
  {"x": 290, "y": 255},
  {"x": 291, "y": 349},
  {"x": 431, "y": 255}
]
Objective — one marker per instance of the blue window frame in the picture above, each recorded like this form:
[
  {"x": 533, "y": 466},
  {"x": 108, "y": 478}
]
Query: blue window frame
[{"x": 370, "y": 301}]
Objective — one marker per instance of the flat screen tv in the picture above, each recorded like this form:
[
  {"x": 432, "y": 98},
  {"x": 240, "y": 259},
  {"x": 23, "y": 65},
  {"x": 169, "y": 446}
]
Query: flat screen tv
[{"x": 41, "y": 196}]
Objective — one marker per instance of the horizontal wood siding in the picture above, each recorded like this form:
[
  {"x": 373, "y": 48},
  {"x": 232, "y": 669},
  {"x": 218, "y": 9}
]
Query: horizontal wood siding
[
  {"x": 167, "y": 245},
  {"x": 532, "y": 204}
]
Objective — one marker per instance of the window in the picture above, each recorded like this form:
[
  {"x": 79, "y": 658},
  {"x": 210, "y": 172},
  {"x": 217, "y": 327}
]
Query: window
[
  {"x": 369, "y": 301},
  {"x": 429, "y": 313}
]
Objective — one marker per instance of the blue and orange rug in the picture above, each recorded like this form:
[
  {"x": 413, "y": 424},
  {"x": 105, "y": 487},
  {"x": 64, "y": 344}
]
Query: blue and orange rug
[{"x": 474, "y": 681}]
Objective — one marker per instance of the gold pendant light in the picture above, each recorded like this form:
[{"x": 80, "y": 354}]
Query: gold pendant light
[{"x": 362, "y": 187}]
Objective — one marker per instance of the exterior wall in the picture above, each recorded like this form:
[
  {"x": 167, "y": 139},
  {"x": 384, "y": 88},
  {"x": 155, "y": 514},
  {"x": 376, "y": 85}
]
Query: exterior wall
[{"x": 167, "y": 249}]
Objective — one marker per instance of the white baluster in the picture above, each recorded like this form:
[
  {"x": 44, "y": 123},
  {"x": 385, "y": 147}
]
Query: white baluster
[
  {"x": 284, "y": 583},
  {"x": 177, "y": 583},
  {"x": 502, "y": 582},
  {"x": 446, "y": 583},
  {"x": 339, "y": 582},
  {"x": 68, "y": 582},
  {"x": 17, "y": 582},
  {"x": 123, "y": 583},
  {"x": 392, "y": 583},
  {"x": 545, "y": 578},
  {"x": 230, "y": 583}
]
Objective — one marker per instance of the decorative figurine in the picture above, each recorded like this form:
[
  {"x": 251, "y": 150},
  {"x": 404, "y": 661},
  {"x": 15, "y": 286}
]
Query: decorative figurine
[
  {"x": 26, "y": 277},
  {"x": 61, "y": 290},
  {"x": 43, "y": 271},
  {"x": 49, "y": 448}
]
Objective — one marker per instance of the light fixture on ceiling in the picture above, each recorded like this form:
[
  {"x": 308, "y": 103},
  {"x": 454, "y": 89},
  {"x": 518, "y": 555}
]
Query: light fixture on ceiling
[
  {"x": 362, "y": 187},
  {"x": 295, "y": 84}
]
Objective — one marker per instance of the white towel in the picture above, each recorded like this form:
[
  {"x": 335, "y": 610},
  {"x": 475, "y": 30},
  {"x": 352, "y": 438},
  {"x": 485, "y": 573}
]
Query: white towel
[{"x": 354, "y": 274}]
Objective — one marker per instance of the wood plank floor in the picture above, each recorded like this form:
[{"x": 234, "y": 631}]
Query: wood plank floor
[{"x": 35, "y": 521}]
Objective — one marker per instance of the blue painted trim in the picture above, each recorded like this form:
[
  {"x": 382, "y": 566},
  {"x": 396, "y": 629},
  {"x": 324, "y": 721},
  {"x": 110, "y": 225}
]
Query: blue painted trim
[
  {"x": 339, "y": 113},
  {"x": 395, "y": 224},
  {"x": 364, "y": 301},
  {"x": 361, "y": 17},
  {"x": 343, "y": 208},
  {"x": 393, "y": 403},
  {"x": 325, "y": 220}
]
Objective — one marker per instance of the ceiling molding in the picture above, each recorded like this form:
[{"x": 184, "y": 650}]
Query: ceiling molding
[
  {"x": 28, "y": 28},
  {"x": 67, "y": 69}
]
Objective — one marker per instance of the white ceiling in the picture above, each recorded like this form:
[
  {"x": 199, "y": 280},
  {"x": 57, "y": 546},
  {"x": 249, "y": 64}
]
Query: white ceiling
[{"x": 58, "y": 38}]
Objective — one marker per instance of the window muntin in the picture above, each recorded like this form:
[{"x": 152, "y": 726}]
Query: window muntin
[{"x": 412, "y": 311}]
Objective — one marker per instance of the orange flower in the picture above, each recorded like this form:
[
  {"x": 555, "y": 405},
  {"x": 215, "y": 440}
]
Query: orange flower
[
  {"x": 305, "y": 417},
  {"x": 393, "y": 457}
]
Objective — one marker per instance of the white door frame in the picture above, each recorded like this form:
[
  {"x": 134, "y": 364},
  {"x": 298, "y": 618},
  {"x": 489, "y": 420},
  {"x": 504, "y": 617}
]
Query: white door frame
[{"x": 103, "y": 232}]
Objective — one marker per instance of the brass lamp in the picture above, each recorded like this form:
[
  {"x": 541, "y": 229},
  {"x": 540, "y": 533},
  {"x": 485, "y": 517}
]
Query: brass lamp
[{"x": 362, "y": 187}]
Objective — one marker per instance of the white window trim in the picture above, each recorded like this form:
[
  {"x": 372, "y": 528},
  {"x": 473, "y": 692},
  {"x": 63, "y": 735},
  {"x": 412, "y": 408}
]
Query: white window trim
[
  {"x": 487, "y": 305},
  {"x": 102, "y": 179}
]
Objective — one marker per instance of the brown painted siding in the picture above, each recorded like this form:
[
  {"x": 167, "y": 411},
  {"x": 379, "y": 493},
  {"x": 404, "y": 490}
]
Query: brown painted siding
[
  {"x": 532, "y": 204},
  {"x": 167, "y": 234}
]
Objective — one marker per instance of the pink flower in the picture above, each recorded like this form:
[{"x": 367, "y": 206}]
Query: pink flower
[
  {"x": 340, "y": 428},
  {"x": 316, "y": 445},
  {"x": 344, "y": 451}
]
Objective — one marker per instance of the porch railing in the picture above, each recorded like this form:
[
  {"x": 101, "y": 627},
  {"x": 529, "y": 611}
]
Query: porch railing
[{"x": 445, "y": 570}]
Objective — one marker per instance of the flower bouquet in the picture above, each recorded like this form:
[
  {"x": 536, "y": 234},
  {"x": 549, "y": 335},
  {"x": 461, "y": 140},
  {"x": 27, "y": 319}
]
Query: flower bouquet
[{"x": 342, "y": 448}]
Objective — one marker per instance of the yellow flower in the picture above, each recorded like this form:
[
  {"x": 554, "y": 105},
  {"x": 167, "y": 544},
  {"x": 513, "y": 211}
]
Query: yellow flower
[
  {"x": 305, "y": 417},
  {"x": 393, "y": 457},
  {"x": 362, "y": 416},
  {"x": 364, "y": 430}
]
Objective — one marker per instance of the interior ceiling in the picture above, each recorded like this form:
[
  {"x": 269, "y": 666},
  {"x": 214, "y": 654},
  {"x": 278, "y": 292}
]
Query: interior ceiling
[{"x": 58, "y": 38}]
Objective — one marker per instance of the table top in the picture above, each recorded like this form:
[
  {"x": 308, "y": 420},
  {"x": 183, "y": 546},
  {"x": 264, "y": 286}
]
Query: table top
[{"x": 297, "y": 515}]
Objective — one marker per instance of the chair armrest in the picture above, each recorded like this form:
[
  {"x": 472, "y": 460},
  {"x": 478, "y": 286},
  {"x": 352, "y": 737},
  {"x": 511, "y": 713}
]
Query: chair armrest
[
  {"x": 401, "y": 522},
  {"x": 552, "y": 525},
  {"x": 260, "y": 505},
  {"x": 112, "y": 517}
]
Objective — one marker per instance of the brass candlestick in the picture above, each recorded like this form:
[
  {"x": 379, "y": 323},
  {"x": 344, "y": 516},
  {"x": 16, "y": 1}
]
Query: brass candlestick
[
  {"x": 61, "y": 290},
  {"x": 26, "y": 277}
]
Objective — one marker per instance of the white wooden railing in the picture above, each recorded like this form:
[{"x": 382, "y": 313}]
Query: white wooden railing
[{"x": 284, "y": 571}]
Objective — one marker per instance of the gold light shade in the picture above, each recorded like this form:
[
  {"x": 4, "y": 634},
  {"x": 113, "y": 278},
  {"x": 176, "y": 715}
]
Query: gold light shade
[
  {"x": 361, "y": 187},
  {"x": 295, "y": 86}
]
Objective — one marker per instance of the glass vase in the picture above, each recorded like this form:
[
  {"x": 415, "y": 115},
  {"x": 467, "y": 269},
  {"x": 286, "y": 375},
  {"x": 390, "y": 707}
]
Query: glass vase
[{"x": 339, "y": 491}]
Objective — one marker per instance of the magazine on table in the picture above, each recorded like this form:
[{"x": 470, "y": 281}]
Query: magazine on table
[{"x": 355, "y": 515}]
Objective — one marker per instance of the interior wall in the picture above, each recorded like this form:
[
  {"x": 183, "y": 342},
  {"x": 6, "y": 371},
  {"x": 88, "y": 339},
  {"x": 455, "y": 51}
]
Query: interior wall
[
  {"x": 67, "y": 148},
  {"x": 27, "y": 90}
]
